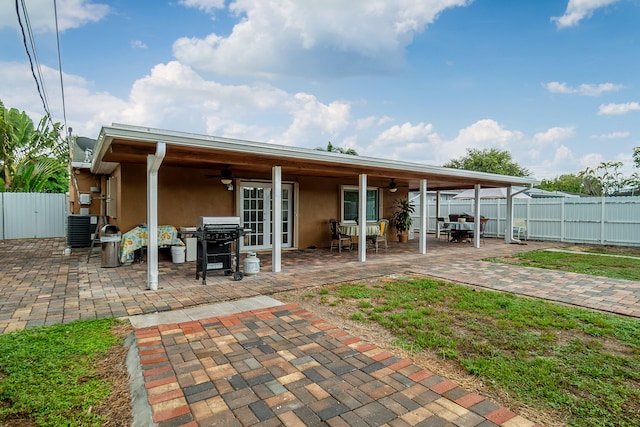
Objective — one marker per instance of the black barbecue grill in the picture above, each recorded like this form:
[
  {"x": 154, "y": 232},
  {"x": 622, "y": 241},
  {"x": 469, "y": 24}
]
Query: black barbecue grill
[{"x": 216, "y": 235}]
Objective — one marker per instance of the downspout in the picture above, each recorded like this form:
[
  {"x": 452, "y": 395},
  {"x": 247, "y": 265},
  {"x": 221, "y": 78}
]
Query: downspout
[
  {"x": 508, "y": 235},
  {"x": 153, "y": 164},
  {"x": 476, "y": 216}
]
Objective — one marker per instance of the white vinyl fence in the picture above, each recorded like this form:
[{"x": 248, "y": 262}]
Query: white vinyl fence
[
  {"x": 32, "y": 215},
  {"x": 593, "y": 220}
]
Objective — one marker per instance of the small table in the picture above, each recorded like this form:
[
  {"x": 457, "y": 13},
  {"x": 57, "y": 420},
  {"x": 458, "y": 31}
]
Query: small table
[
  {"x": 136, "y": 238},
  {"x": 460, "y": 231},
  {"x": 354, "y": 230}
]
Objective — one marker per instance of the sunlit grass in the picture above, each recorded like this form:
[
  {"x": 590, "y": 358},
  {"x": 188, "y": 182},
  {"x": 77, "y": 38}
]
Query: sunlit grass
[
  {"x": 47, "y": 374},
  {"x": 588, "y": 263},
  {"x": 579, "y": 363}
]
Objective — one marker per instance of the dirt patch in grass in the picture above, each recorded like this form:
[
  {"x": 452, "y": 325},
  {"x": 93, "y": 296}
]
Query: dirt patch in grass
[
  {"x": 615, "y": 250},
  {"x": 113, "y": 369},
  {"x": 340, "y": 316}
]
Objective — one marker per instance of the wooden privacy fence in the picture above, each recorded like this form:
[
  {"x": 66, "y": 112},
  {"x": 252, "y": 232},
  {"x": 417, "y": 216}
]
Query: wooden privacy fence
[
  {"x": 32, "y": 215},
  {"x": 594, "y": 220}
]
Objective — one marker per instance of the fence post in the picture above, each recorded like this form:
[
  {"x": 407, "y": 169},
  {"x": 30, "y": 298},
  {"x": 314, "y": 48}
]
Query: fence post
[
  {"x": 602, "y": 215},
  {"x": 562, "y": 220}
]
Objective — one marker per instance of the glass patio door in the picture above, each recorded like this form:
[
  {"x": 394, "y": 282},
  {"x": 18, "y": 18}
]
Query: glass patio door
[{"x": 256, "y": 213}]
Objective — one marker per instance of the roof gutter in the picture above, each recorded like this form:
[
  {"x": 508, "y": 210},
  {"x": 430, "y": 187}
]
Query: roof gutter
[{"x": 107, "y": 134}]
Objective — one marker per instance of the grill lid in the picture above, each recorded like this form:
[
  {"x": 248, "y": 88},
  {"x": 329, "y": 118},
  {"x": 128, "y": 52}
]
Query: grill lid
[{"x": 208, "y": 221}]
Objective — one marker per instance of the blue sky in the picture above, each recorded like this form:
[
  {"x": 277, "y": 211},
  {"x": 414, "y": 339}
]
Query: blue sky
[{"x": 555, "y": 82}]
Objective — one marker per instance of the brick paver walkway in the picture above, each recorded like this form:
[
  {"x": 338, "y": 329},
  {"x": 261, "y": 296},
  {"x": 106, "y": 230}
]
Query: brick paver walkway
[
  {"x": 281, "y": 365},
  {"x": 285, "y": 366}
]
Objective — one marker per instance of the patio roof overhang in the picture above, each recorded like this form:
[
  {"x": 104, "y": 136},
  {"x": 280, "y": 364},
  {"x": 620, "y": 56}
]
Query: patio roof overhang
[{"x": 133, "y": 144}]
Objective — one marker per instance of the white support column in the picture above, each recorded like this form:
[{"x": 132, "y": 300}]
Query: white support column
[
  {"x": 153, "y": 164},
  {"x": 476, "y": 216},
  {"x": 437, "y": 214},
  {"x": 508, "y": 235},
  {"x": 362, "y": 218},
  {"x": 276, "y": 220},
  {"x": 423, "y": 216}
]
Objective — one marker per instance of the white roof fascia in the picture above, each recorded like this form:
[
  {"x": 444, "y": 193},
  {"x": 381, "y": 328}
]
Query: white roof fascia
[{"x": 108, "y": 133}]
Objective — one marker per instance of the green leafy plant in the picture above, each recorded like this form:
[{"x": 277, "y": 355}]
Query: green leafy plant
[{"x": 401, "y": 218}]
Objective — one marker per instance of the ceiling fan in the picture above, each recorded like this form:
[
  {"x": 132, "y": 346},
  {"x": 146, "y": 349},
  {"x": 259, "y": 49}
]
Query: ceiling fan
[
  {"x": 226, "y": 178},
  {"x": 393, "y": 187}
]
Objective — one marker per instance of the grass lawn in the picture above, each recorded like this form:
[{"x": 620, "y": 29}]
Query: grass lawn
[
  {"x": 586, "y": 263},
  {"x": 49, "y": 375},
  {"x": 575, "y": 362}
]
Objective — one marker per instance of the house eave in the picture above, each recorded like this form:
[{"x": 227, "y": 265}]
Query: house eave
[{"x": 383, "y": 167}]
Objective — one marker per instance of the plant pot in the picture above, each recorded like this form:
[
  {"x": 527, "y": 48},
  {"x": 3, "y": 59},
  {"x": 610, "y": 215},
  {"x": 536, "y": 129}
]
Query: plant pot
[{"x": 403, "y": 238}]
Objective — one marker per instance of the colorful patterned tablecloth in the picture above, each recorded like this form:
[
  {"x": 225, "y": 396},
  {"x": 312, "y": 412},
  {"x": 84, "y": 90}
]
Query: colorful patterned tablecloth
[{"x": 136, "y": 238}]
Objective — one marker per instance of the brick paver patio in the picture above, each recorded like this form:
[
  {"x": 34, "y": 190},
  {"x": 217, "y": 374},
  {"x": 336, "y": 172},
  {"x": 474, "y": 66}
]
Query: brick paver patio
[{"x": 281, "y": 365}]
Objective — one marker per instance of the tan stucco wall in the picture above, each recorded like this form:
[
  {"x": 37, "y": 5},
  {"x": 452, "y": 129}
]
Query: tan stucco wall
[
  {"x": 320, "y": 201},
  {"x": 185, "y": 194},
  {"x": 85, "y": 181}
]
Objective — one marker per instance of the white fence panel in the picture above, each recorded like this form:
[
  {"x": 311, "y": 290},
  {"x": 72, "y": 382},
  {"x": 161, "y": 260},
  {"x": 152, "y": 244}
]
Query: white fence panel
[
  {"x": 33, "y": 215},
  {"x": 595, "y": 220}
]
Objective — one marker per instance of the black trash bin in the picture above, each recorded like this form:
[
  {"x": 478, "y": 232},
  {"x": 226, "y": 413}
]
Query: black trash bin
[{"x": 110, "y": 240}]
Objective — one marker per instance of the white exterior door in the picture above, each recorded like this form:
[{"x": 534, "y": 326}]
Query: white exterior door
[{"x": 255, "y": 211}]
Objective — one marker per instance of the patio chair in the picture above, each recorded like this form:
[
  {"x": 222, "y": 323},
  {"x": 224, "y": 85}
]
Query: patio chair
[
  {"x": 381, "y": 236},
  {"x": 444, "y": 227},
  {"x": 520, "y": 229},
  {"x": 338, "y": 240},
  {"x": 483, "y": 222}
]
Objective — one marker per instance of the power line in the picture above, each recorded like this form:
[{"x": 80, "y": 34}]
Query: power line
[
  {"x": 64, "y": 108},
  {"x": 39, "y": 82}
]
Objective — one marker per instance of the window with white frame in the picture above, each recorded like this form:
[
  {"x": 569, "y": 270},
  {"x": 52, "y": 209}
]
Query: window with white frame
[{"x": 349, "y": 204}]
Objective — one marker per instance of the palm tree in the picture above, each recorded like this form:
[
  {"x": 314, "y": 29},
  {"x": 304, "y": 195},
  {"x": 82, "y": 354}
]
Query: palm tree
[
  {"x": 333, "y": 149},
  {"x": 31, "y": 159}
]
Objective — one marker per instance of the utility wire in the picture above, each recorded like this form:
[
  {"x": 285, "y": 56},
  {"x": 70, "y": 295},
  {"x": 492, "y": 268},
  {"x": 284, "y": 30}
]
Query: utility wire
[
  {"x": 64, "y": 108},
  {"x": 39, "y": 83}
]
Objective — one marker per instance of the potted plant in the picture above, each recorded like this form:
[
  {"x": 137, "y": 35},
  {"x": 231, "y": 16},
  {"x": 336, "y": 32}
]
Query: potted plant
[{"x": 401, "y": 219}]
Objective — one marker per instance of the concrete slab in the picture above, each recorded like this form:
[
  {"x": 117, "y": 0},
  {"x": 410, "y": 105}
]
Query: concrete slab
[{"x": 203, "y": 312}]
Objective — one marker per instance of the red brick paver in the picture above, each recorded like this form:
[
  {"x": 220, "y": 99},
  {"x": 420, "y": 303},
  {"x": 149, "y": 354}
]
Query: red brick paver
[{"x": 285, "y": 369}]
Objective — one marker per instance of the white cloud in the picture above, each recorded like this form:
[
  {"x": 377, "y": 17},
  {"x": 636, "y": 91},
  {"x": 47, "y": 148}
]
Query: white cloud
[
  {"x": 612, "y": 135},
  {"x": 406, "y": 141},
  {"x": 205, "y": 5},
  {"x": 577, "y": 10},
  {"x": 311, "y": 117},
  {"x": 551, "y": 167},
  {"x": 486, "y": 133},
  {"x": 420, "y": 143},
  {"x": 611, "y": 109},
  {"x": 86, "y": 110},
  {"x": 583, "y": 89},
  {"x": 71, "y": 14},
  {"x": 372, "y": 121},
  {"x": 174, "y": 96},
  {"x": 312, "y": 38},
  {"x": 553, "y": 135},
  {"x": 138, "y": 44},
  {"x": 591, "y": 160}
]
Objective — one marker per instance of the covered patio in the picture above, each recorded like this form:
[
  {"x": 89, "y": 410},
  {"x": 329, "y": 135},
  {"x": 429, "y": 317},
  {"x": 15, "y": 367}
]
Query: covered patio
[{"x": 298, "y": 189}]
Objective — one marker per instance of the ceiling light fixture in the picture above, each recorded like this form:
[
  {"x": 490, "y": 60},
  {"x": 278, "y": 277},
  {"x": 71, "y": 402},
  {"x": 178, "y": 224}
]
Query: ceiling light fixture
[
  {"x": 393, "y": 187},
  {"x": 227, "y": 179}
]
